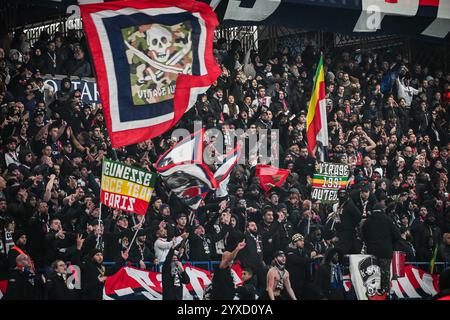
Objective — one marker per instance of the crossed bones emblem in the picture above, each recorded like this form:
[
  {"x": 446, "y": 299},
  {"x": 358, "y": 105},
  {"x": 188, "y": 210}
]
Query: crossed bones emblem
[{"x": 159, "y": 41}]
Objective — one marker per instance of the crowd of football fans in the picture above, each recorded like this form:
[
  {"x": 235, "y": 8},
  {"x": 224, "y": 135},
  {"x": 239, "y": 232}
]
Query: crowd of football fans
[{"x": 387, "y": 119}]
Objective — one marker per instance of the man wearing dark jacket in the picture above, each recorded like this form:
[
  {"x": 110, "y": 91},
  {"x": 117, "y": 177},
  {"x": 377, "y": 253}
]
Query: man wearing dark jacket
[
  {"x": 173, "y": 276},
  {"x": 347, "y": 218},
  {"x": 379, "y": 234},
  {"x": 23, "y": 283},
  {"x": 57, "y": 285},
  {"x": 20, "y": 243},
  {"x": 329, "y": 278},
  {"x": 363, "y": 199},
  {"x": 200, "y": 244},
  {"x": 297, "y": 264},
  {"x": 252, "y": 255},
  {"x": 405, "y": 246},
  {"x": 269, "y": 232},
  {"x": 94, "y": 274}
]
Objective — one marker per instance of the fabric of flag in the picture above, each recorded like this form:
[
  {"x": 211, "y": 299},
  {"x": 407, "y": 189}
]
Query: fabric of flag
[
  {"x": 321, "y": 180},
  {"x": 271, "y": 175},
  {"x": 316, "y": 120},
  {"x": 186, "y": 174},
  {"x": 3, "y": 286},
  {"x": 366, "y": 276},
  {"x": 152, "y": 59},
  {"x": 135, "y": 284},
  {"x": 126, "y": 187}
]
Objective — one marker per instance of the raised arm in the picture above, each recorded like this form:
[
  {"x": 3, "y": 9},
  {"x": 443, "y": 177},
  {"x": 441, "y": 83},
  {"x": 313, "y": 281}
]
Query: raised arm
[{"x": 228, "y": 257}]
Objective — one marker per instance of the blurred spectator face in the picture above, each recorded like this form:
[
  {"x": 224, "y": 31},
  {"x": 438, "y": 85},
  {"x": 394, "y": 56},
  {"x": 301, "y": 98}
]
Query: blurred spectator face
[
  {"x": 274, "y": 199},
  {"x": 78, "y": 54},
  {"x": 60, "y": 267},
  {"x": 182, "y": 221},
  {"x": 11, "y": 146},
  {"x": 262, "y": 92},
  {"x": 22, "y": 241},
  {"x": 123, "y": 223},
  {"x": 51, "y": 46},
  {"x": 3, "y": 206},
  {"x": 365, "y": 195},
  {"x": 268, "y": 217},
  {"x": 423, "y": 212},
  {"x": 446, "y": 239},
  {"x": 252, "y": 227},
  {"x": 43, "y": 208},
  {"x": 200, "y": 231},
  {"x": 98, "y": 258},
  {"x": 56, "y": 225},
  {"x": 230, "y": 99},
  {"x": 304, "y": 153},
  {"x": 300, "y": 244},
  {"x": 23, "y": 260}
]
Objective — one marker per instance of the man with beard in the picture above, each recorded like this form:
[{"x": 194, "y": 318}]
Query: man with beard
[
  {"x": 346, "y": 219},
  {"x": 425, "y": 234},
  {"x": 140, "y": 251},
  {"x": 252, "y": 255},
  {"x": 404, "y": 244},
  {"x": 278, "y": 279},
  {"x": 94, "y": 274},
  {"x": 222, "y": 281},
  {"x": 297, "y": 264},
  {"x": 173, "y": 276},
  {"x": 200, "y": 244},
  {"x": 268, "y": 229},
  {"x": 304, "y": 165},
  {"x": 379, "y": 234}
]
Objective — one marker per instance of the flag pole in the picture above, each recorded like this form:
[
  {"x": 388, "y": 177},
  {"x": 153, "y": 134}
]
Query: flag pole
[
  {"x": 135, "y": 235},
  {"x": 100, "y": 223}
]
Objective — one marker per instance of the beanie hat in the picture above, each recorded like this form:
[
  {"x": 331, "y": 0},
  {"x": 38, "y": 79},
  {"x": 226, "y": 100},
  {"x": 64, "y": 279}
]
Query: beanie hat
[{"x": 17, "y": 234}]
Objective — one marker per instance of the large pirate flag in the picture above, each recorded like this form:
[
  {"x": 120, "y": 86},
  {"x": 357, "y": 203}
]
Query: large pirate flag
[{"x": 152, "y": 58}]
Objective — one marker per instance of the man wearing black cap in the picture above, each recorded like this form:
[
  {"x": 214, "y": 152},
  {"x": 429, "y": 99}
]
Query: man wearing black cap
[
  {"x": 278, "y": 281},
  {"x": 379, "y": 234}
]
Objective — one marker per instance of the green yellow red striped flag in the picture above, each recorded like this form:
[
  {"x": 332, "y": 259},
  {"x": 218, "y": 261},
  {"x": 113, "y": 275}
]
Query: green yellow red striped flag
[{"x": 316, "y": 120}]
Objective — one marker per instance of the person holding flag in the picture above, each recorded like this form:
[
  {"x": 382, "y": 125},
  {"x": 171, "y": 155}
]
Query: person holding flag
[{"x": 316, "y": 120}]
